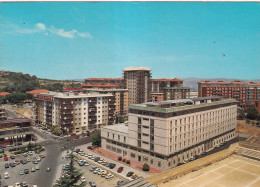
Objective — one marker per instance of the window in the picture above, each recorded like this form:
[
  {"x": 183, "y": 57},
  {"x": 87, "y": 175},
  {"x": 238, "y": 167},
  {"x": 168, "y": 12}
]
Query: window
[{"x": 139, "y": 120}]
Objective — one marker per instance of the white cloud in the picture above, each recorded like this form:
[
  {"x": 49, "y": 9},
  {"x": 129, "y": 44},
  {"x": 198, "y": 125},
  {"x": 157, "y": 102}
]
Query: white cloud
[{"x": 40, "y": 26}]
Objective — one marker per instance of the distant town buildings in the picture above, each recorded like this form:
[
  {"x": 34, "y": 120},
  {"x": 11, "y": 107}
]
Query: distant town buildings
[
  {"x": 105, "y": 81},
  {"x": 137, "y": 81},
  {"x": 169, "y": 89},
  {"x": 2, "y": 114},
  {"x": 74, "y": 111},
  {"x": 165, "y": 134},
  {"x": 35, "y": 92},
  {"x": 247, "y": 93}
]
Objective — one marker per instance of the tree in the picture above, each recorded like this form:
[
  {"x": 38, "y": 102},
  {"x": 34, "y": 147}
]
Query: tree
[
  {"x": 57, "y": 130},
  {"x": 252, "y": 113},
  {"x": 96, "y": 138},
  {"x": 241, "y": 114},
  {"x": 71, "y": 179},
  {"x": 146, "y": 167}
]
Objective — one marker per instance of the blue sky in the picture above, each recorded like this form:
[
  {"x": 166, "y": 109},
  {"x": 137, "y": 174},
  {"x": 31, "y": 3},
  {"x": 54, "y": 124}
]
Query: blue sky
[{"x": 80, "y": 40}]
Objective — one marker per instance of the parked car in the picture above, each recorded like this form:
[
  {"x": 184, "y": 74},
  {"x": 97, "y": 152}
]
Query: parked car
[
  {"x": 42, "y": 155},
  {"x": 134, "y": 176},
  {"x": 12, "y": 157},
  {"x": 112, "y": 166},
  {"x": 92, "y": 183},
  {"x": 21, "y": 172},
  {"x": 108, "y": 164},
  {"x": 16, "y": 162},
  {"x": 12, "y": 164},
  {"x": 26, "y": 171},
  {"x": 6, "y": 158},
  {"x": 109, "y": 176},
  {"x": 83, "y": 179},
  {"x": 129, "y": 174},
  {"x": 6, "y": 175},
  {"x": 96, "y": 159},
  {"x": 120, "y": 169},
  {"x": 37, "y": 167},
  {"x": 6, "y": 165},
  {"x": 33, "y": 169},
  {"x": 24, "y": 184},
  {"x": 120, "y": 182},
  {"x": 48, "y": 169}
]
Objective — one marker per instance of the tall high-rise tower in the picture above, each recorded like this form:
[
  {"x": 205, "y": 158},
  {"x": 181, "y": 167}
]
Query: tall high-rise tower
[{"x": 137, "y": 81}]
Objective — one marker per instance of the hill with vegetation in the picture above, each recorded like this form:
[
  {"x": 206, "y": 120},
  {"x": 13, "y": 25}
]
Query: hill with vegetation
[{"x": 14, "y": 82}]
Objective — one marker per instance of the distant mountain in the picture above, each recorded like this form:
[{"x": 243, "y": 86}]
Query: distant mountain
[{"x": 193, "y": 82}]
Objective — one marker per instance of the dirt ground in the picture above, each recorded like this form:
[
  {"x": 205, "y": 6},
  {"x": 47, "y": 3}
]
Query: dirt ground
[
  {"x": 233, "y": 171},
  {"x": 242, "y": 126},
  {"x": 25, "y": 113}
]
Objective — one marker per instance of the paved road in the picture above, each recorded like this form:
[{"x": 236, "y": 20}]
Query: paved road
[{"x": 54, "y": 148}]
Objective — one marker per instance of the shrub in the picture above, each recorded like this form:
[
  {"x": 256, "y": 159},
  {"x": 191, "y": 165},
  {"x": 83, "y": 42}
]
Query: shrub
[
  {"x": 248, "y": 121},
  {"x": 146, "y": 167},
  {"x": 128, "y": 161},
  {"x": 124, "y": 160},
  {"x": 257, "y": 123},
  {"x": 119, "y": 158}
]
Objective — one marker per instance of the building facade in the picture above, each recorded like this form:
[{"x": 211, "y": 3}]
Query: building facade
[
  {"x": 2, "y": 114},
  {"x": 121, "y": 97},
  {"x": 116, "y": 81},
  {"x": 172, "y": 93},
  {"x": 75, "y": 112},
  {"x": 165, "y": 134},
  {"x": 158, "y": 84},
  {"x": 16, "y": 131},
  {"x": 246, "y": 93},
  {"x": 137, "y": 81}
]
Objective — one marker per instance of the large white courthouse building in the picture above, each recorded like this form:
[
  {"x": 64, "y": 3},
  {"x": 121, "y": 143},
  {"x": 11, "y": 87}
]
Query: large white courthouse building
[{"x": 166, "y": 133}]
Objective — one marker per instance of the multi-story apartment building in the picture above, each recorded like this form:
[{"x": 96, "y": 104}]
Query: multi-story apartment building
[
  {"x": 159, "y": 84},
  {"x": 165, "y": 134},
  {"x": 171, "y": 93},
  {"x": 116, "y": 81},
  {"x": 14, "y": 131},
  {"x": 121, "y": 97},
  {"x": 245, "y": 93},
  {"x": 75, "y": 112},
  {"x": 2, "y": 114},
  {"x": 137, "y": 81}
]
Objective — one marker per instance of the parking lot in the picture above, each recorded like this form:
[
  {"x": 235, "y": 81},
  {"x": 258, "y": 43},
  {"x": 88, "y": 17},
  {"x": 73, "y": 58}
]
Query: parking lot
[
  {"x": 13, "y": 172},
  {"x": 97, "y": 178}
]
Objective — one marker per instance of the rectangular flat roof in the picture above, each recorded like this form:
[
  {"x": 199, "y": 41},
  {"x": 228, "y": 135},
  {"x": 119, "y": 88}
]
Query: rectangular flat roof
[
  {"x": 17, "y": 120},
  {"x": 179, "y": 108},
  {"x": 122, "y": 128}
]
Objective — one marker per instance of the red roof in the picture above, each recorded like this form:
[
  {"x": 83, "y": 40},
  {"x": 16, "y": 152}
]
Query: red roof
[
  {"x": 71, "y": 89},
  {"x": 4, "y": 93},
  {"x": 100, "y": 85},
  {"x": 104, "y": 79},
  {"x": 38, "y": 91},
  {"x": 164, "y": 79}
]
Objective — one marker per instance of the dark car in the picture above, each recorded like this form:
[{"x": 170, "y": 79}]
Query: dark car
[
  {"x": 120, "y": 169},
  {"x": 112, "y": 166},
  {"x": 97, "y": 159},
  {"x": 92, "y": 183},
  {"x": 108, "y": 165},
  {"x": 129, "y": 174},
  {"x": 26, "y": 171},
  {"x": 24, "y": 162},
  {"x": 12, "y": 164},
  {"x": 24, "y": 184},
  {"x": 12, "y": 157},
  {"x": 6, "y": 165},
  {"x": 78, "y": 150}
]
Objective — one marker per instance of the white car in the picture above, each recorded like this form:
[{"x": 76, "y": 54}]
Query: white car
[
  {"x": 38, "y": 159},
  {"x": 83, "y": 179},
  {"x": 30, "y": 153},
  {"x": 109, "y": 176},
  {"x": 96, "y": 170},
  {"x": 101, "y": 171},
  {"x": 6, "y": 175},
  {"x": 101, "y": 161},
  {"x": 17, "y": 184}
]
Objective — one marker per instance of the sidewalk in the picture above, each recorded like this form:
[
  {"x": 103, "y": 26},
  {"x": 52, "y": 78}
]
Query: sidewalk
[{"x": 108, "y": 158}]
